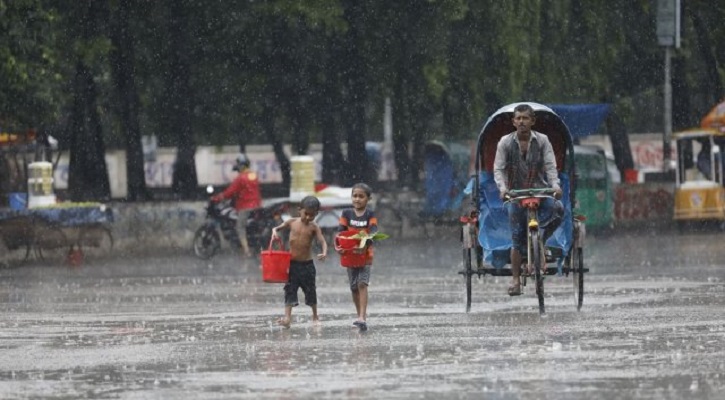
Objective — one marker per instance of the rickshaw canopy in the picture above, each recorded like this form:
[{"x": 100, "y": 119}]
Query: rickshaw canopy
[{"x": 446, "y": 167}]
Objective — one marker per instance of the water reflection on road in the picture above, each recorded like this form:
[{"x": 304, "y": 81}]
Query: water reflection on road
[{"x": 652, "y": 327}]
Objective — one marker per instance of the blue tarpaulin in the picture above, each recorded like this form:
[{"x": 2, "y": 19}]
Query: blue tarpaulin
[
  {"x": 63, "y": 216},
  {"x": 495, "y": 231},
  {"x": 582, "y": 119},
  {"x": 446, "y": 173}
]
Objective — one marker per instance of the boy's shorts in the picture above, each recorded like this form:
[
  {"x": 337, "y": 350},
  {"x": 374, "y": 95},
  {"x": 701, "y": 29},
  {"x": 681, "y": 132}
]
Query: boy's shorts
[
  {"x": 359, "y": 276},
  {"x": 301, "y": 276}
]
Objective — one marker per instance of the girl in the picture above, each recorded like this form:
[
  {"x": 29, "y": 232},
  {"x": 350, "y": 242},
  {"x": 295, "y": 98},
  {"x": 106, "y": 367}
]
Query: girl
[{"x": 360, "y": 218}]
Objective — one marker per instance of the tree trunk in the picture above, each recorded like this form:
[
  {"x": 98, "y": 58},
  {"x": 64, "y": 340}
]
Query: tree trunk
[
  {"x": 277, "y": 146},
  {"x": 184, "y": 181},
  {"x": 299, "y": 125},
  {"x": 122, "y": 59},
  {"x": 87, "y": 172},
  {"x": 400, "y": 138},
  {"x": 354, "y": 99},
  {"x": 333, "y": 162}
]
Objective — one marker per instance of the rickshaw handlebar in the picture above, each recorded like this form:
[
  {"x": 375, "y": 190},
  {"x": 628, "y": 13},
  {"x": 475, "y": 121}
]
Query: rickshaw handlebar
[{"x": 519, "y": 194}]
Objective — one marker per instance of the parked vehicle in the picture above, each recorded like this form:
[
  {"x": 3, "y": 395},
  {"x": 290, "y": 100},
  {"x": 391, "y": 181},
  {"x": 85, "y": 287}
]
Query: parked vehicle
[
  {"x": 220, "y": 216},
  {"x": 699, "y": 191},
  {"x": 594, "y": 189}
]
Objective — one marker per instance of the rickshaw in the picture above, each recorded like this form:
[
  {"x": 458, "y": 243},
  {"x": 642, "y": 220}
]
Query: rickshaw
[
  {"x": 446, "y": 172},
  {"x": 595, "y": 191},
  {"x": 486, "y": 234},
  {"x": 699, "y": 190}
]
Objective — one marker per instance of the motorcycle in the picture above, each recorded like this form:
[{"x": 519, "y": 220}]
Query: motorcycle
[{"x": 220, "y": 216}]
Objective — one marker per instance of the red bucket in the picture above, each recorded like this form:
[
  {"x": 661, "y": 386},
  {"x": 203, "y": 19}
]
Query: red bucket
[
  {"x": 275, "y": 263},
  {"x": 348, "y": 257}
]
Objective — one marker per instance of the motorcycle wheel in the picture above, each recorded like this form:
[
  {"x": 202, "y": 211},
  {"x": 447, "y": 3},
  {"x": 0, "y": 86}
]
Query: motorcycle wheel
[{"x": 206, "y": 242}]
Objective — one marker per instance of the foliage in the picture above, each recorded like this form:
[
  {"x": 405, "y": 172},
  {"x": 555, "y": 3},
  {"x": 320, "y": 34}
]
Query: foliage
[
  {"x": 303, "y": 70},
  {"x": 30, "y": 68},
  {"x": 365, "y": 237}
]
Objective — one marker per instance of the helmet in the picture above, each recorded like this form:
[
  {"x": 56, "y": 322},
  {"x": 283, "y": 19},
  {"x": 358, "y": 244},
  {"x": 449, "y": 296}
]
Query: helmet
[{"x": 241, "y": 162}]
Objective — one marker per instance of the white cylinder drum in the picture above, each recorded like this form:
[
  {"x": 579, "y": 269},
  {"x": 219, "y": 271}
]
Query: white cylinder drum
[
  {"x": 303, "y": 177},
  {"x": 40, "y": 184}
]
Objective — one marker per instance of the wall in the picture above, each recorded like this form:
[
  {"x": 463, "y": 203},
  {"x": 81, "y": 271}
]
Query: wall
[
  {"x": 643, "y": 203},
  {"x": 140, "y": 227}
]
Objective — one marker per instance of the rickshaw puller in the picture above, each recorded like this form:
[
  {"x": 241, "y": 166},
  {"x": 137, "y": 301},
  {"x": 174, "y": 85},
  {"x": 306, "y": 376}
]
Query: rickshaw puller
[{"x": 525, "y": 159}]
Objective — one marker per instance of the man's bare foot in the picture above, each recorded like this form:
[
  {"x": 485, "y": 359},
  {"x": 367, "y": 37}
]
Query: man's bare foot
[
  {"x": 284, "y": 322},
  {"x": 316, "y": 321}
]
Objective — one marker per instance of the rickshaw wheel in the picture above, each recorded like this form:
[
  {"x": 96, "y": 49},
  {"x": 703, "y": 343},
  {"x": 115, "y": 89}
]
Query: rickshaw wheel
[
  {"x": 51, "y": 244},
  {"x": 536, "y": 259},
  {"x": 468, "y": 272},
  {"x": 577, "y": 272}
]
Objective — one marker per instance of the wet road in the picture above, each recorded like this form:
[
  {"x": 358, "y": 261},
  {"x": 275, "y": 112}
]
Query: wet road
[{"x": 652, "y": 327}]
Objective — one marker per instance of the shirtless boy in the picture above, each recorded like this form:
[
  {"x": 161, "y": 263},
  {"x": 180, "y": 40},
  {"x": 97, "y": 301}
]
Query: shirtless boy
[{"x": 303, "y": 231}]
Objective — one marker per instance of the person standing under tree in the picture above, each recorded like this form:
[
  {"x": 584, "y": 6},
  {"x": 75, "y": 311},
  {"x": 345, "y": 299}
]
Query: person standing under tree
[{"x": 245, "y": 192}]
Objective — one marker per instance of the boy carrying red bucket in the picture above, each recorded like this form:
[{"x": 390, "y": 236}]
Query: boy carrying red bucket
[{"x": 302, "y": 273}]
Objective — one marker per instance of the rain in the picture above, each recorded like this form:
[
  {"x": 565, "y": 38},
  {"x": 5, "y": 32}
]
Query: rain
[
  {"x": 121, "y": 120},
  {"x": 174, "y": 326}
]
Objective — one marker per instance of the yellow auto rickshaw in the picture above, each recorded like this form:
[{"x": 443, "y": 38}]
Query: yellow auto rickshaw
[{"x": 699, "y": 190}]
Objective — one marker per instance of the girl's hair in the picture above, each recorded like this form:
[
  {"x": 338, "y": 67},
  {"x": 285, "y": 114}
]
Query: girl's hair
[{"x": 364, "y": 187}]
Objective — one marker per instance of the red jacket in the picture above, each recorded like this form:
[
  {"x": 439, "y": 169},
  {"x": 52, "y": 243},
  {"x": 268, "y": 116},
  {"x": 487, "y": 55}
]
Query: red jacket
[{"x": 245, "y": 188}]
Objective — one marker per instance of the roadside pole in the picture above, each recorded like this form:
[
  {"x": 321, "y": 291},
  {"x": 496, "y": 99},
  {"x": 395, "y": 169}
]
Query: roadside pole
[
  {"x": 667, "y": 131},
  {"x": 668, "y": 35}
]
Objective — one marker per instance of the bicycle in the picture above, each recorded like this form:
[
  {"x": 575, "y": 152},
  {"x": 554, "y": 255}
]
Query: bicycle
[{"x": 535, "y": 256}]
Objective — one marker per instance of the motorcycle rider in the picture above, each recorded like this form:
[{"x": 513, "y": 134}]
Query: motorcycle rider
[{"x": 244, "y": 191}]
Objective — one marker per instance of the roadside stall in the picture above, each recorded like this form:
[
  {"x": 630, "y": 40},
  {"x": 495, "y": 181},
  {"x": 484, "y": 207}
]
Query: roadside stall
[{"x": 33, "y": 222}]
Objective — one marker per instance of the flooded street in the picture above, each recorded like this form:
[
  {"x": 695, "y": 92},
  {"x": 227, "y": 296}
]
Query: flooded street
[{"x": 652, "y": 327}]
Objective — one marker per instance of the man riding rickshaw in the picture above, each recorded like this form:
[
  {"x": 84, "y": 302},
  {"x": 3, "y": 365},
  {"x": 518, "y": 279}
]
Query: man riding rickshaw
[{"x": 525, "y": 151}]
